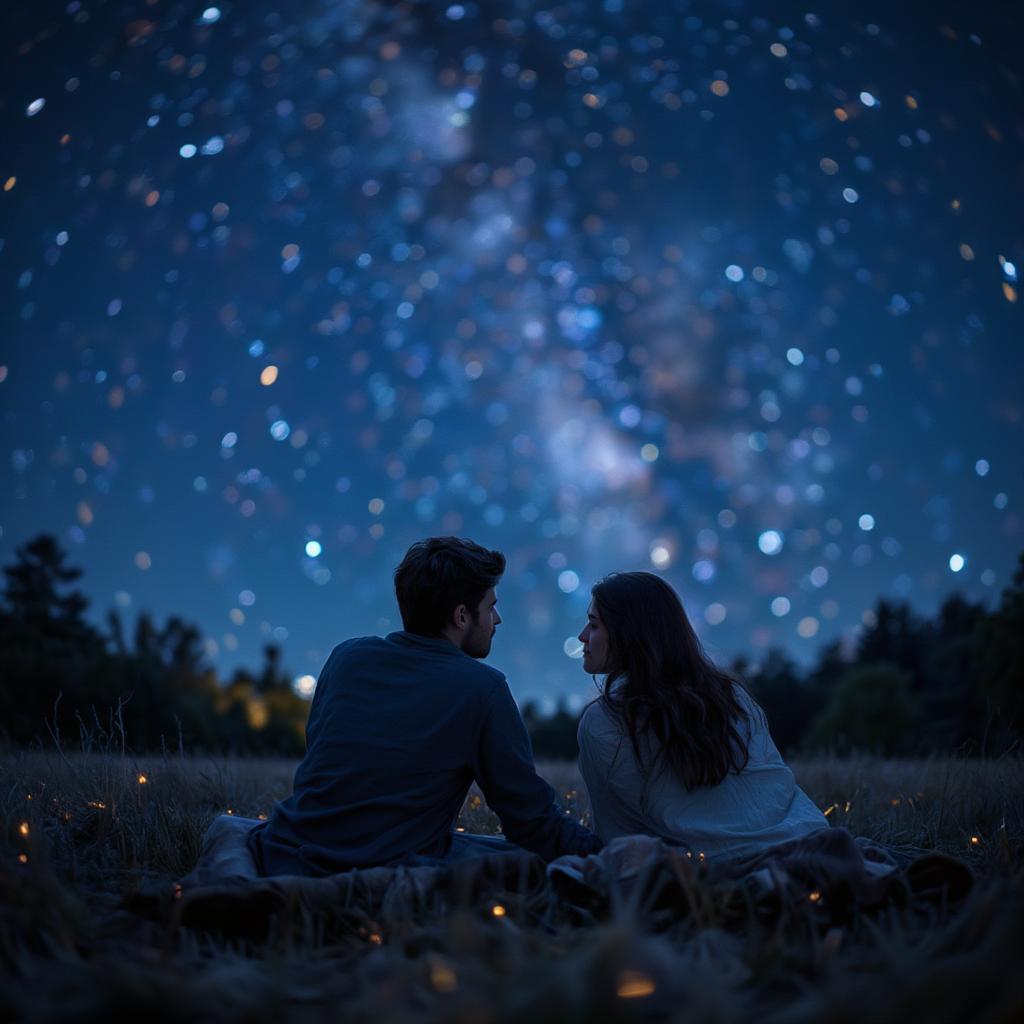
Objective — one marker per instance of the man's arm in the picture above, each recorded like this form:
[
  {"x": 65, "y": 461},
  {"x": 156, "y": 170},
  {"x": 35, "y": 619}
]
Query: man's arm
[{"x": 523, "y": 801}]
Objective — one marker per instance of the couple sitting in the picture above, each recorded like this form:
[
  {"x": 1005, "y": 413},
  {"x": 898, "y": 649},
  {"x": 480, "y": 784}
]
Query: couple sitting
[{"x": 400, "y": 727}]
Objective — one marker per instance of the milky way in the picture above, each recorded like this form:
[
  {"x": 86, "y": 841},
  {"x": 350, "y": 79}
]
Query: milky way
[{"x": 726, "y": 291}]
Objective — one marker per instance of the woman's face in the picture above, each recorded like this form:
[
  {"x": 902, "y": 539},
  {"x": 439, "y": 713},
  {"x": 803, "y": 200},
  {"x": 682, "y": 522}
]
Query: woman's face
[{"x": 594, "y": 638}]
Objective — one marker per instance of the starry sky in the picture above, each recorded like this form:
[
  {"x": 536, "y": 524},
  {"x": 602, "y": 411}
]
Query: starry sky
[{"x": 727, "y": 291}]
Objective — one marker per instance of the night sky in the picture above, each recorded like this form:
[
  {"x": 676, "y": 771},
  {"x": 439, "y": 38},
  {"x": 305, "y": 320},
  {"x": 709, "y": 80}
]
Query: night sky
[{"x": 727, "y": 291}]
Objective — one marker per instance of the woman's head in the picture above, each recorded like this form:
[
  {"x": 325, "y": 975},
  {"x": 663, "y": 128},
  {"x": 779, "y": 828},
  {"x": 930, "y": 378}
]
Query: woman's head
[
  {"x": 635, "y": 616},
  {"x": 659, "y": 681}
]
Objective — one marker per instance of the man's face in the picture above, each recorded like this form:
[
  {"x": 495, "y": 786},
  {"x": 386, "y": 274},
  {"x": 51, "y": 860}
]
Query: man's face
[{"x": 477, "y": 640}]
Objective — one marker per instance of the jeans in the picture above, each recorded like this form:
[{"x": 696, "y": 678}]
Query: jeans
[{"x": 467, "y": 846}]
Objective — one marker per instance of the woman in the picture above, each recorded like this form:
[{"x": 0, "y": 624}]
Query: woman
[{"x": 674, "y": 747}]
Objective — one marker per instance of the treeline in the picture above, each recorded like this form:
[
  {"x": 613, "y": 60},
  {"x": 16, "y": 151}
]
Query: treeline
[
  {"x": 911, "y": 685},
  {"x": 60, "y": 675}
]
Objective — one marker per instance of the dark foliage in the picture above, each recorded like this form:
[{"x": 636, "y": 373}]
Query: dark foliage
[
  {"x": 911, "y": 685},
  {"x": 58, "y": 673}
]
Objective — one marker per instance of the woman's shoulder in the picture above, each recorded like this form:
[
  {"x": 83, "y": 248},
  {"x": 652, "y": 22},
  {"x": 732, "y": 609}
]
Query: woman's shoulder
[
  {"x": 750, "y": 708},
  {"x": 760, "y": 748},
  {"x": 598, "y": 719}
]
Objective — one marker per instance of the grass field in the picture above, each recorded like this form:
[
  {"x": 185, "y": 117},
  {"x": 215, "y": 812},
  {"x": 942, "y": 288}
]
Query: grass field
[{"x": 93, "y": 843}]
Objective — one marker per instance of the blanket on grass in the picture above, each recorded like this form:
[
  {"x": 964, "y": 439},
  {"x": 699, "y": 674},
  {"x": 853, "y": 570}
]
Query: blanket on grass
[{"x": 828, "y": 875}]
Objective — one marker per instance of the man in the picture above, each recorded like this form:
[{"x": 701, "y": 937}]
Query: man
[{"x": 398, "y": 729}]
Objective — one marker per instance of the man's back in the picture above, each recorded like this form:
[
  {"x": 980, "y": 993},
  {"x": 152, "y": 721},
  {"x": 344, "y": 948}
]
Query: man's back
[{"x": 398, "y": 729}]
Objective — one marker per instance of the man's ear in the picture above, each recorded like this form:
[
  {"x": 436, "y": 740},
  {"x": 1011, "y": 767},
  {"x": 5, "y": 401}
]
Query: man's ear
[{"x": 460, "y": 616}]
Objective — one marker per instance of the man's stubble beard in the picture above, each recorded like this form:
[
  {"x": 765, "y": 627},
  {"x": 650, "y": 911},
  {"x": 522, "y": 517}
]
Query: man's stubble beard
[{"x": 479, "y": 643}]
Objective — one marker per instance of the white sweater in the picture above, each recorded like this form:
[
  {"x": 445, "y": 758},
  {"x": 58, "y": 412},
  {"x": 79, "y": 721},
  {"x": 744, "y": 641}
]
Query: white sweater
[{"x": 758, "y": 807}]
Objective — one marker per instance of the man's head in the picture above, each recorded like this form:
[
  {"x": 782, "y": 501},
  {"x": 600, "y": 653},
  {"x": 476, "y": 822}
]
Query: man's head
[{"x": 445, "y": 587}]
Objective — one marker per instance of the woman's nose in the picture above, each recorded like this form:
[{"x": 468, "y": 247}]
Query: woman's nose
[{"x": 582, "y": 635}]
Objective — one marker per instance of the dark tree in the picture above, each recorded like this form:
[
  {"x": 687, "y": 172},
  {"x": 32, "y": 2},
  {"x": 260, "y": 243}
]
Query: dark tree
[
  {"x": 1001, "y": 661},
  {"x": 952, "y": 698},
  {"x": 871, "y": 710},
  {"x": 897, "y": 637},
  {"x": 787, "y": 700},
  {"x": 47, "y": 648}
]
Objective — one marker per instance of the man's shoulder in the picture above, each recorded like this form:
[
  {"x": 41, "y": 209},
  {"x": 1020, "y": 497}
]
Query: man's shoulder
[
  {"x": 355, "y": 644},
  {"x": 489, "y": 677}
]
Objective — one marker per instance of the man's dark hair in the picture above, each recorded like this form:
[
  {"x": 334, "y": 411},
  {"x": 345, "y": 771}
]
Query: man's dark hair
[{"x": 440, "y": 573}]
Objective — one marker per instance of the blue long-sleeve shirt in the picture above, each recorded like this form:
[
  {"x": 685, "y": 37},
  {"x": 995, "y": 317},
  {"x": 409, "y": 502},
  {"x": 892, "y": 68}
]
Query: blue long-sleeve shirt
[{"x": 398, "y": 729}]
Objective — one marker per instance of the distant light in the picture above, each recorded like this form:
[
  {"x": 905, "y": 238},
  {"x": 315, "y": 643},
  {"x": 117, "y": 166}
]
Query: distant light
[
  {"x": 634, "y": 985},
  {"x": 210, "y": 15},
  {"x": 279, "y": 430},
  {"x": 780, "y": 606},
  {"x": 715, "y": 614},
  {"x": 649, "y": 452},
  {"x": 314, "y": 548},
  {"x": 187, "y": 151},
  {"x": 850, "y": 195},
  {"x": 981, "y": 467},
  {"x": 660, "y": 556},
  {"x": 704, "y": 570},
  {"x": 247, "y": 598},
  {"x": 304, "y": 686},
  {"x": 770, "y": 542},
  {"x": 795, "y": 356},
  {"x": 778, "y": 50},
  {"x": 733, "y": 272},
  {"x": 868, "y": 100},
  {"x": 568, "y": 581},
  {"x": 629, "y": 416},
  {"x": 572, "y": 647},
  {"x": 957, "y": 562},
  {"x": 229, "y": 440},
  {"x": 268, "y": 375},
  {"x": 213, "y": 145},
  {"x": 807, "y": 627},
  {"x": 819, "y": 576},
  {"x": 34, "y": 107},
  {"x": 456, "y": 12},
  {"x": 866, "y": 522},
  {"x": 256, "y": 348}
]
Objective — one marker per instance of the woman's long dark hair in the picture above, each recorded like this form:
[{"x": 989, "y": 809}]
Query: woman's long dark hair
[{"x": 671, "y": 693}]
